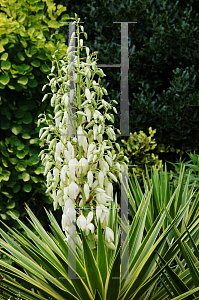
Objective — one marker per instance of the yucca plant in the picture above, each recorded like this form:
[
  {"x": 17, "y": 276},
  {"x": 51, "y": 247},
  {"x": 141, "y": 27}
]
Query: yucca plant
[
  {"x": 178, "y": 266},
  {"x": 163, "y": 253},
  {"x": 162, "y": 240}
]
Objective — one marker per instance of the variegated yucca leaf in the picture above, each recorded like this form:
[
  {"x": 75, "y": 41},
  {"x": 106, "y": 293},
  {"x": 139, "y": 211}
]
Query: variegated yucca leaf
[{"x": 163, "y": 251}]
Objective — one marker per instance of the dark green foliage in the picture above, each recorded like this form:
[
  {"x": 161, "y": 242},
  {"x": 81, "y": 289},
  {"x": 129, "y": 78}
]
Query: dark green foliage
[{"x": 163, "y": 70}]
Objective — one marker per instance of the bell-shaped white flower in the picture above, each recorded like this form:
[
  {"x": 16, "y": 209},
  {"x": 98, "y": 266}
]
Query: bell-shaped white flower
[
  {"x": 69, "y": 211},
  {"x": 57, "y": 120},
  {"x": 70, "y": 148},
  {"x": 84, "y": 164},
  {"x": 95, "y": 158},
  {"x": 47, "y": 167},
  {"x": 90, "y": 178},
  {"x": 101, "y": 179},
  {"x": 56, "y": 174},
  {"x": 109, "y": 235},
  {"x": 101, "y": 199},
  {"x": 73, "y": 190},
  {"x": 99, "y": 210},
  {"x": 102, "y": 213},
  {"x": 81, "y": 222},
  {"x": 65, "y": 118},
  {"x": 109, "y": 238},
  {"x": 67, "y": 155},
  {"x": 91, "y": 148},
  {"x": 71, "y": 214},
  {"x": 58, "y": 150},
  {"x": 64, "y": 222},
  {"x": 96, "y": 114},
  {"x": 90, "y": 227},
  {"x": 65, "y": 99},
  {"x": 99, "y": 138},
  {"x": 109, "y": 160},
  {"x": 95, "y": 184},
  {"x": 86, "y": 190},
  {"x": 88, "y": 114},
  {"x": 73, "y": 163},
  {"x": 104, "y": 167},
  {"x": 88, "y": 94},
  {"x": 63, "y": 173},
  {"x": 60, "y": 198},
  {"x": 112, "y": 176},
  {"x": 49, "y": 177},
  {"x": 55, "y": 202},
  {"x": 84, "y": 144},
  {"x": 90, "y": 157},
  {"x": 68, "y": 204},
  {"x": 110, "y": 245}
]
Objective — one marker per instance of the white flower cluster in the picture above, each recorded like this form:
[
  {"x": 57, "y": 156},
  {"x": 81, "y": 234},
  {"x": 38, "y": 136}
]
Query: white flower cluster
[{"x": 80, "y": 170}]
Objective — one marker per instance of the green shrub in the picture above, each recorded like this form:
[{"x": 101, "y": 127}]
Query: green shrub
[
  {"x": 28, "y": 37},
  {"x": 163, "y": 64},
  {"x": 139, "y": 150}
]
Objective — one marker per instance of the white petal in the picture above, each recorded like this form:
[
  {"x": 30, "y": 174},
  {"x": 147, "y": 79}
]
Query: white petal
[
  {"x": 64, "y": 221},
  {"x": 84, "y": 143},
  {"x": 112, "y": 176},
  {"x": 89, "y": 217},
  {"x": 101, "y": 179},
  {"x": 110, "y": 246},
  {"x": 88, "y": 94},
  {"x": 81, "y": 222},
  {"x": 99, "y": 190},
  {"x": 90, "y": 227}
]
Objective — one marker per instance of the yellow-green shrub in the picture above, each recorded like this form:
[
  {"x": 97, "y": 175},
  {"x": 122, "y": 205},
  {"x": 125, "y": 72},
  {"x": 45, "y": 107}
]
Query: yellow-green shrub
[
  {"x": 139, "y": 148},
  {"x": 28, "y": 38}
]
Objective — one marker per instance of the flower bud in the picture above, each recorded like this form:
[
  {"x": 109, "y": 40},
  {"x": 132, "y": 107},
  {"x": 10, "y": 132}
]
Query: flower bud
[
  {"x": 109, "y": 160},
  {"x": 88, "y": 94},
  {"x": 110, "y": 245},
  {"x": 99, "y": 138},
  {"x": 65, "y": 99},
  {"x": 109, "y": 235},
  {"x": 101, "y": 179},
  {"x": 112, "y": 176},
  {"x": 86, "y": 190},
  {"x": 88, "y": 114},
  {"x": 90, "y": 178}
]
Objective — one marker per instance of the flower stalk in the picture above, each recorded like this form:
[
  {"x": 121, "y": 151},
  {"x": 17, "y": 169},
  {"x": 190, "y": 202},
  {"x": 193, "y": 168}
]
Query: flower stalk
[{"x": 81, "y": 170}]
